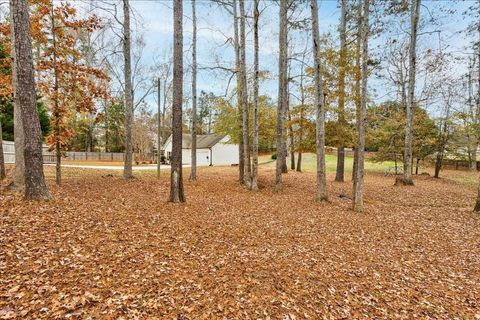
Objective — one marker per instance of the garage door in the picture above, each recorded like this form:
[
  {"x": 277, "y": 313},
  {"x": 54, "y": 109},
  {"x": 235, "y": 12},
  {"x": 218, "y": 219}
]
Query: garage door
[{"x": 203, "y": 158}]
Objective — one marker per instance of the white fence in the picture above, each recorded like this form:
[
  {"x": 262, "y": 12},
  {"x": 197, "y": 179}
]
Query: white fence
[{"x": 49, "y": 157}]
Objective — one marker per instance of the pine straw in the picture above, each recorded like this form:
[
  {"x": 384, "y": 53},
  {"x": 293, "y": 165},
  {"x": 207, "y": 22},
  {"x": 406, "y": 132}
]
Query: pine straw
[{"x": 106, "y": 248}]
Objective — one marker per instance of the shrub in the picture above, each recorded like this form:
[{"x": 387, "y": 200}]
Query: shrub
[{"x": 274, "y": 156}]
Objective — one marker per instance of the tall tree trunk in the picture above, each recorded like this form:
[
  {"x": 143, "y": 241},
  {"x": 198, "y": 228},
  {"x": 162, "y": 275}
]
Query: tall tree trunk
[
  {"x": 56, "y": 126},
  {"x": 18, "y": 183},
  {"x": 176, "y": 180},
  {"x": 416, "y": 166},
  {"x": 25, "y": 99},
  {"x": 282, "y": 94},
  {"x": 477, "y": 113},
  {"x": 477, "y": 204},
  {"x": 407, "y": 165},
  {"x": 359, "y": 171},
  {"x": 290, "y": 127},
  {"x": 342, "y": 124},
  {"x": 357, "y": 87},
  {"x": 322, "y": 192},
  {"x": 159, "y": 131},
  {"x": 255, "y": 97},
  {"x": 472, "y": 138},
  {"x": 301, "y": 111},
  {"x": 2, "y": 160},
  {"x": 193, "y": 171},
  {"x": 241, "y": 160},
  {"x": 128, "y": 95},
  {"x": 245, "y": 125}
]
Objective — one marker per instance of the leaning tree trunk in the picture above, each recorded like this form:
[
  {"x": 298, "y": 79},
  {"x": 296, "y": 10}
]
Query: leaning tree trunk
[
  {"x": 255, "y": 97},
  {"x": 193, "y": 170},
  {"x": 245, "y": 125},
  {"x": 360, "y": 146},
  {"x": 25, "y": 99},
  {"x": 342, "y": 124},
  {"x": 2, "y": 160},
  {"x": 128, "y": 95},
  {"x": 176, "y": 180},
  {"x": 241, "y": 160},
  {"x": 282, "y": 92},
  {"x": 407, "y": 164},
  {"x": 322, "y": 192}
]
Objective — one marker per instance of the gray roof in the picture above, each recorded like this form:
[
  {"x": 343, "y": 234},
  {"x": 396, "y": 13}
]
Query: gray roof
[{"x": 204, "y": 141}]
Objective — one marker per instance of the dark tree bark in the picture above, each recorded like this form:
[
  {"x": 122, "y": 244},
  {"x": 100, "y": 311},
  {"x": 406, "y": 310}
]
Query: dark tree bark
[
  {"x": 176, "y": 179},
  {"x": 193, "y": 169},
  {"x": 255, "y": 97},
  {"x": 282, "y": 94},
  {"x": 128, "y": 95},
  {"x": 342, "y": 123},
  {"x": 322, "y": 192},
  {"x": 18, "y": 183},
  {"x": 25, "y": 99},
  {"x": 299, "y": 162}
]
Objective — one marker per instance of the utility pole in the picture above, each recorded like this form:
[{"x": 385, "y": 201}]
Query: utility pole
[{"x": 159, "y": 128}]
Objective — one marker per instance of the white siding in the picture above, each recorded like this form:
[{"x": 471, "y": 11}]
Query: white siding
[
  {"x": 225, "y": 153},
  {"x": 203, "y": 157},
  {"x": 222, "y": 154}
]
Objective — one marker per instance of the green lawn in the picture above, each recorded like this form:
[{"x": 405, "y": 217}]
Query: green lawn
[{"x": 309, "y": 163}]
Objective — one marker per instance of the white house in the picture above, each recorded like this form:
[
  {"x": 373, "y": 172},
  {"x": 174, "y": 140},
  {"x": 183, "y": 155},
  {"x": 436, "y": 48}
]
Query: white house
[{"x": 212, "y": 150}]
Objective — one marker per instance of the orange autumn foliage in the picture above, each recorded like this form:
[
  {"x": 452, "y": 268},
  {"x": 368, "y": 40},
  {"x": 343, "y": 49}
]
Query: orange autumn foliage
[{"x": 66, "y": 82}]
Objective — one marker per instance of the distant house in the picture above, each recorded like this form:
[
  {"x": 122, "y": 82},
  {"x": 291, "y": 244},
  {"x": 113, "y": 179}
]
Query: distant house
[{"x": 212, "y": 150}]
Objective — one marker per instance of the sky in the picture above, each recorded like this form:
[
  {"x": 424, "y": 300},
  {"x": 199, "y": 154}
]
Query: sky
[{"x": 153, "y": 20}]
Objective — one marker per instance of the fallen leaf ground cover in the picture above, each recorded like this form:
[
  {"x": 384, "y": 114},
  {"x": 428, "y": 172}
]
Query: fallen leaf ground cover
[{"x": 106, "y": 248}]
